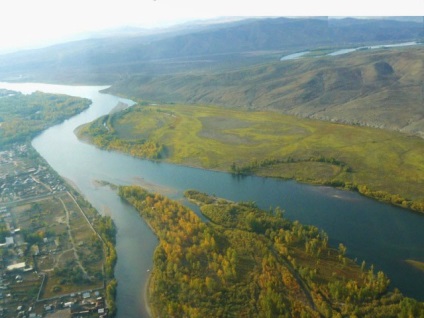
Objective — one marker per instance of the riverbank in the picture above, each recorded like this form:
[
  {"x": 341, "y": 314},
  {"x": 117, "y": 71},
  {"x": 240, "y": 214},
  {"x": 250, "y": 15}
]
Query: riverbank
[
  {"x": 379, "y": 164},
  {"x": 292, "y": 270},
  {"x": 341, "y": 214},
  {"x": 146, "y": 296}
]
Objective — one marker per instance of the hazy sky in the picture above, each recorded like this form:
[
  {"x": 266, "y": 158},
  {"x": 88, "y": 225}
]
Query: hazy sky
[{"x": 26, "y": 23}]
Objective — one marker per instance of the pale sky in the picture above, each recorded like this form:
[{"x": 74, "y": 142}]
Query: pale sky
[{"x": 26, "y": 23}]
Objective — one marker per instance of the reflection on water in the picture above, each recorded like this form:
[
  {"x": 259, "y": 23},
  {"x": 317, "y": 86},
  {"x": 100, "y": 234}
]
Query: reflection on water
[{"x": 337, "y": 194}]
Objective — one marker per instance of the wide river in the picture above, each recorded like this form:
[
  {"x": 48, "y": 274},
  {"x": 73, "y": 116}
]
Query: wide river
[{"x": 377, "y": 233}]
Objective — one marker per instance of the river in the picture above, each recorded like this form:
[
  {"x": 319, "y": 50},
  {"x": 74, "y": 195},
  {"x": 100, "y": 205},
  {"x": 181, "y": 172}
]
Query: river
[
  {"x": 380, "y": 234},
  {"x": 298, "y": 55}
]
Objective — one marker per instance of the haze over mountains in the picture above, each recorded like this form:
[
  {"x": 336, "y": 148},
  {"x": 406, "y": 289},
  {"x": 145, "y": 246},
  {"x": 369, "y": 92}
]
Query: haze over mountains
[
  {"x": 236, "y": 64},
  {"x": 115, "y": 55}
]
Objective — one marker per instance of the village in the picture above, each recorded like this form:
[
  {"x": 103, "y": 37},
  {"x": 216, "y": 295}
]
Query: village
[
  {"x": 22, "y": 179},
  {"x": 51, "y": 256}
]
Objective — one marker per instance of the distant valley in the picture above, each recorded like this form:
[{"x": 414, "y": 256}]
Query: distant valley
[
  {"x": 216, "y": 96},
  {"x": 237, "y": 64},
  {"x": 381, "y": 88}
]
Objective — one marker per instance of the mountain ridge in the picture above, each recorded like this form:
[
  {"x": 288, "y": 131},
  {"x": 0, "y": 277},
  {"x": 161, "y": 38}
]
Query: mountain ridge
[
  {"x": 382, "y": 88},
  {"x": 237, "y": 64},
  {"x": 106, "y": 59}
]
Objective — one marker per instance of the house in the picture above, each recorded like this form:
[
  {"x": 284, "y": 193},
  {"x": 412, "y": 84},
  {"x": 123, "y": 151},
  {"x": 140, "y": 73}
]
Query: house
[
  {"x": 10, "y": 241},
  {"x": 17, "y": 266},
  {"x": 68, "y": 304}
]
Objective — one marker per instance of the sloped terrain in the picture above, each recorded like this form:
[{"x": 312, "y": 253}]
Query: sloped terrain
[
  {"x": 381, "y": 88},
  {"x": 206, "y": 47}
]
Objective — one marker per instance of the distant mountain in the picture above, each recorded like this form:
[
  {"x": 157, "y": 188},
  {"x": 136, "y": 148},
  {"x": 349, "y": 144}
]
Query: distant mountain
[
  {"x": 199, "y": 46},
  {"x": 237, "y": 64}
]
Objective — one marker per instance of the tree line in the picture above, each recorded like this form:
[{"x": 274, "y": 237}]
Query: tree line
[
  {"x": 24, "y": 116},
  {"x": 249, "y": 262},
  {"x": 102, "y": 134}
]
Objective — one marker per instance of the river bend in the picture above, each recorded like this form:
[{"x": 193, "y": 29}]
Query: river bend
[{"x": 380, "y": 234}]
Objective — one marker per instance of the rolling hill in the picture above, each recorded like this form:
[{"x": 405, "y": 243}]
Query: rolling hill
[
  {"x": 193, "y": 47},
  {"x": 237, "y": 64},
  {"x": 381, "y": 88}
]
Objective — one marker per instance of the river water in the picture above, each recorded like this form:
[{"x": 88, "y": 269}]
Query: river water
[
  {"x": 298, "y": 55},
  {"x": 379, "y": 234}
]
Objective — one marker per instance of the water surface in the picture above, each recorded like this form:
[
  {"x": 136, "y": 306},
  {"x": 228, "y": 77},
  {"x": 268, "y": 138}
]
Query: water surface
[
  {"x": 294, "y": 56},
  {"x": 378, "y": 233},
  {"x": 371, "y": 47}
]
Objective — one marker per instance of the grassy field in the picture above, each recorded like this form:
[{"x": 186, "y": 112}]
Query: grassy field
[
  {"x": 373, "y": 88},
  {"x": 277, "y": 145}
]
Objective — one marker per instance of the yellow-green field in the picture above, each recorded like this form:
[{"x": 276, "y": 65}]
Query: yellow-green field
[{"x": 272, "y": 144}]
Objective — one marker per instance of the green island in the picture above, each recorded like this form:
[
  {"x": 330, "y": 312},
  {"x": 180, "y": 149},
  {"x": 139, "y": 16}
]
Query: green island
[
  {"x": 246, "y": 262},
  {"x": 22, "y": 116},
  {"x": 382, "y": 164},
  {"x": 58, "y": 253}
]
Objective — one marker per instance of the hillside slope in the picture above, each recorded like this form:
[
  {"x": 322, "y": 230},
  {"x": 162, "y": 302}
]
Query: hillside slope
[
  {"x": 225, "y": 45},
  {"x": 381, "y": 88}
]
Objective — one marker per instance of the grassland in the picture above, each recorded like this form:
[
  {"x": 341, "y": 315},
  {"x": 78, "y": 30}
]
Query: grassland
[
  {"x": 379, "y": 163},
  {"x": 378, "y": 88}
]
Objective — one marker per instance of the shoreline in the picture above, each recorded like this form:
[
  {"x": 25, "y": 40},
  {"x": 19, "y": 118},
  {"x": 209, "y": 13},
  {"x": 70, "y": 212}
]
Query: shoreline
[
  {"x": 312, "y": 182},
  {"x": 146, "y": 295}
]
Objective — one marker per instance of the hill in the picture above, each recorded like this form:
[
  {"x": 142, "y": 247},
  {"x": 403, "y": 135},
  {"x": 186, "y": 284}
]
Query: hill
[
  {"x": 237, "y": 64},
  {"x": 194, "y": 47},
  {"x": 378, "y": 88}
]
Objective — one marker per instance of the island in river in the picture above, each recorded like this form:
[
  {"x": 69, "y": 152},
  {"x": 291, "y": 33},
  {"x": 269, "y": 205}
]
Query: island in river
[
  {"x": 381, "y": 164},
  {"x": 246, "y": 262},
  {"x": 52, "y": 149}
]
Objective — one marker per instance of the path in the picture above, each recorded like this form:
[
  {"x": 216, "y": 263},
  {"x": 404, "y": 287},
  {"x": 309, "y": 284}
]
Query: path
[{"x": 72, "y": 238}]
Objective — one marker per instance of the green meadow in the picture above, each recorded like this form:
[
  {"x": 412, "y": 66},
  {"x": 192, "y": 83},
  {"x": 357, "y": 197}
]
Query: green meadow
[{"x": 383, "y": 164}]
